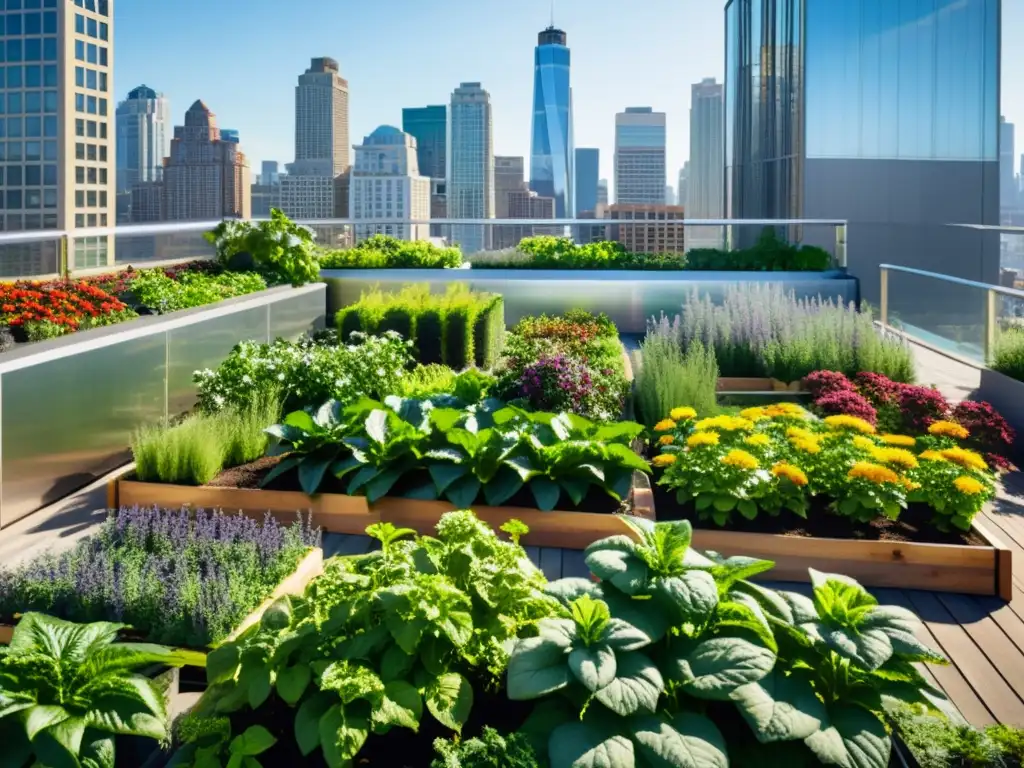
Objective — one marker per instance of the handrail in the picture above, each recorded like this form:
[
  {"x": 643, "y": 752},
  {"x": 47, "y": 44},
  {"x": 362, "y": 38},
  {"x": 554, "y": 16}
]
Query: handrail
[
  {"x": 1001, "y": 289},
  {"x": 1006, "y": 230}
]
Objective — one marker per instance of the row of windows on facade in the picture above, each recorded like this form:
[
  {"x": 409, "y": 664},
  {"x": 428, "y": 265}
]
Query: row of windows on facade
[
  {"x": 16, "y": 151},
  {"x": 33, "y": 49},
  {"x": 87, "y": 52},
  {"x": 91, "y": 79},
  {"x": 29, "y": 76},
  {"x": 29, "y": 102},
  {"x": 90, "y": 128},
  {"x": 92, "y": 152},
  {"x": 32, "y": 23},
  {"x": 84, "y": 175},
  {"x": 29, "y": 127},
  {"x": 34, "y": 5},
  {"x": 91, "y": 27},
  {"x": 15, "y": 222},
  {"x": 90, "y": 220},
  {"x": 28, "y": 175},
  {"x": 102, "y": 7},
  {"x": 17, "y": 199},
  {"x": 90, "y": 105}
]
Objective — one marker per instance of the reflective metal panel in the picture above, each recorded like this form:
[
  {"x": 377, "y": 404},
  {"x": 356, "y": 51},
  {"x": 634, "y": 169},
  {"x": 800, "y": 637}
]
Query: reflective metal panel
[
  {"x": 204, "y": 345},
  {"x": 292, "y": 317},
  {"x": 628, "y": 298},
  {"x": 68, "y": 421}
]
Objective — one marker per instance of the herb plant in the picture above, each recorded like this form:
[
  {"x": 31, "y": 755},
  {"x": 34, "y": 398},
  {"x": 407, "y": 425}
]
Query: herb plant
[
  {"x": 155, "y": 290},
  {"x": 386, "y": 252},
  {"x": 66, "y": 690},
  {"x": 490, "y": 750},
  {"x": 279, "y": 248},
  {"x": 209, "y": 744}
]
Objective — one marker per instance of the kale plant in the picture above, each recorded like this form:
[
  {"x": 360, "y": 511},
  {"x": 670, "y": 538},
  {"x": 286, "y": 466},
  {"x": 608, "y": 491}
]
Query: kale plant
[{"x": 490, "y": 750}]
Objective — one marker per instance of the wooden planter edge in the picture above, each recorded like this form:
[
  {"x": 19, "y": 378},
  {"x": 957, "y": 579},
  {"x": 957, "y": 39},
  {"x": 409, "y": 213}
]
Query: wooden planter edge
[{"x": 337, "y": 513}]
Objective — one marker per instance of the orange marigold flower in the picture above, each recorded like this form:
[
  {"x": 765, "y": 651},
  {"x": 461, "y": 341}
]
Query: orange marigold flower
[
  {"x": 965, "y": 458},
  {"x": 663, "y": 460},
  {"x": 969, "y": 486},
  {"x": 900, "y": 441},
  {"x": 665, "y": 425},
  {"x": 698, "y": 439},
  {"x": 875, "y": 473},
  {"x": 948, "y": 429},
  {"x": 794, "y": 474},
  {"x": 851, "y": 423},
  {"x": 666, "y": 440}
]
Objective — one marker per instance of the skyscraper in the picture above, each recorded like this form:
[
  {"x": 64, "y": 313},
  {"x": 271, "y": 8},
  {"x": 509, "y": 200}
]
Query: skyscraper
[
  {"x": 684, "y": 184},
  {"x": 640, "y": 156},
  {"x": 429, "y": 126},
  {"x": 1007, "y": 180},
  {"x": 143, "y": 129},
  {"x": 385, "y": 183},
  {"x": 321, "y": 142},
  {"x": 205, "y": 177},
  {"x": 816, "y": 129},
  {"x": 59, "y": 122},
  {"x": 705, "y": 195},
  {"x": 230, "y": 134},
  {"x": 588, "y": 169},
  {"x": 471, "y": 165},
  {"x": 509, "y": 176},
  {"x": 269, "y": 173},
  {"x": 551, "y": 154},
  {"x": 602, "y": 192}
]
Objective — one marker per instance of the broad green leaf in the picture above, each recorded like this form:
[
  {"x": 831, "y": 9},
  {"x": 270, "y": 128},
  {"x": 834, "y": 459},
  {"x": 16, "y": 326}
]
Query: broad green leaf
[
  {"x": 444, "y": 475},
  {"x": 907, "y": 646},
  {"x": 870, "y": 649},
  {"x": 255, "y": 679},
  {"x": 300, "y": 420},
  {"x": 579, "y": 745},
  {"x": 567, "y": 590},
  {"x": 282, "y": 467},
  {"x": 254, "y": 741},
  {"x": 449, "y": 699},
  {"x": 445, "y": 419},
  {"x": 16, "y": 747},
  {"x": 591, "y": 617},
  {"x": 853, "y": 738},
  {"x": 376, "y": 426},
  {"x": 593, "y": 666},
  {"x": 463, "y": 492},
  {"x": 693, "y": 594},
  {"x": 395, "y": 664},
  {"x": 546, "y": 493},
  {"x": 312, "y": 470},
  {"x": 728, "y": 571},
  {"x": 781, "y": 707},
  {"x": 15, "y": 701},
  {"x": 307, "y": 721},
  {"x": 457, "y": 626},
  {"x": 43, "y": 716},
  {"x": 624, "y": 431},
  {"x": 351, "y": 682},
  {"x": 401, "y": 706},
  {"x": 97, "y": 753},
  {"x": 715, "y": 668},
  {"x": 342, "y": 735},
  {"x": 688, "y": 740},
  {"x": 291, "y": 682},
  {"x": 381, "y": 485},
  {"x": 576, "y": 488},
  {"x": 615, "y": 559},
  {"x": 637, "y": 613},
  {"x": 502, "y": 487},
  {"x": 627, "y": 458},
  {"x": 537, "y": 667},
  {"x": 623, "y": 636},
  {"x": 636, "y": 687},
  {"x": 60, "y": 745},
  {"x": 406, "y": 633}
]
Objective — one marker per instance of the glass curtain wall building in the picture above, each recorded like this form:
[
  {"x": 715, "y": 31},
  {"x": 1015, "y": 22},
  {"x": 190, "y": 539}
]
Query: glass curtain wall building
[
  {"x": 429, "y": 126},
  {"x": 552, "y": 155},
  {"x": 588, "y": 172},
  {"x": 471, "y": 165},
  {"x": 881, "y": 112}
]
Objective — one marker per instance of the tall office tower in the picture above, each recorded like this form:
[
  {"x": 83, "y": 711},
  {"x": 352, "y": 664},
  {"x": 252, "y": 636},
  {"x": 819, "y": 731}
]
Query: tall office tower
[
  {"x": 640, "y": 156},
  {"x": 652, "y": 228},
  {"x": 509, "y": 176},
  {"x": 269, "y": 173},
  {"x": 59, "y": 122},
  {"x": 205, "y": 177},
  {"x": 429, "y": 126},
  {"x": 602, "y": 192},
  {"x": 670, "y": 195},
  {"x": 1008, "y": 192},
  {"x": 321, "y": 142},
  {"x": 588, "y": 169},
  {"x": 143, "y": 130},
  {"x": 551, "y": 153},
  {"x": 385, "y": 183},
  {"x": 705, "y": 195},
  {"x": 684, "y": 184},
  {"x": 898, "y": 164},
  {"x": 471, "y": 165},
  {"x": 230, "y": 134}
]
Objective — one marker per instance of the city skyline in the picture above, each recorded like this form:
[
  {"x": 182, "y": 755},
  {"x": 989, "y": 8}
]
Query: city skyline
[{"x": 649, "y": 73}]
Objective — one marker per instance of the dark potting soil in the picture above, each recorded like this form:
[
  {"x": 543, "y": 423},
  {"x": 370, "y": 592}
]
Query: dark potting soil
[
  {"x": 913, "y": 525},
  {"x": 252, "y": 474}
]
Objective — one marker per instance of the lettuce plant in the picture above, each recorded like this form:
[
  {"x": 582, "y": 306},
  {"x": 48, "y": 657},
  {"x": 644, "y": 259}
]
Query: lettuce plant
[
  {"x": 66, "y": 690},
  {"x": 674, "y": 659}
]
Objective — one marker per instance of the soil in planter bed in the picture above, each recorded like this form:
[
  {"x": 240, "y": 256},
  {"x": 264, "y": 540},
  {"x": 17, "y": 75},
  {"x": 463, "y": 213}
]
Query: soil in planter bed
[
  {"x": 251, "y": 475},
  {"x": 914, "y": 524}
]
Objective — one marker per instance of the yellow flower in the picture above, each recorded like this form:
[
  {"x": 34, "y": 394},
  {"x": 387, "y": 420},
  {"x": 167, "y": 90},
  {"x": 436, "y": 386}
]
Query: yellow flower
[
  {"x": 800, "y": 432},
  {"x": 932, "y": 456},
  {"x": 852, "y": 423},
  {"x": 902, "y": 441},
  {"x": 909, "y": 484},
  {"x": 758, "y": 441},
  {"x": 965, "y": 458},
  {"x": 784, "y": 409},
  {"x": 806, "y": 444},
  {"x": 754, "y": 414},
  {"x": 663, "y": 460},
  {"x": 948, "y": 429},
  {"x": 795, "y": 475},
  {"x": 740, "y": 459},
  {"x": 874, "y": 473},
  {"x": 725, "y": 424},
  {"x": 664, "y": 425},
  {"x": 864, "y": 443},
  {"x": 702, "y": 438},
  {"x": 968, "y": 485},
  {"x": 666, "y": 440},
  {"x": 683, "y": 413},
  {"x": 901, "y": 457}
]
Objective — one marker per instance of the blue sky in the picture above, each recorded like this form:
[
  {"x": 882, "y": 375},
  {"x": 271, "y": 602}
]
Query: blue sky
[{"x": 242, "y": 58}]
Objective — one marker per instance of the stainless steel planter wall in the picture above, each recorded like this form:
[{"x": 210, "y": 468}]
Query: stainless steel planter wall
[
  {"x": 628, "y": 298},
  {"x": 68, "y": 406}
]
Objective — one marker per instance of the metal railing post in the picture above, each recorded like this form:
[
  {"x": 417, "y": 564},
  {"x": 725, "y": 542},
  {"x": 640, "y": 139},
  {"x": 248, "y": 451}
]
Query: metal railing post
[
  {"x": 883, "y": 309},
  {"x": 63, "y": 264},
  {"x": 991, "y": 324},
  {"x": 841, "y": 246}
]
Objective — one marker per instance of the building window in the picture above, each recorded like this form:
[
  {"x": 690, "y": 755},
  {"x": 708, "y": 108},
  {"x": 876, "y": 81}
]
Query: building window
[
  {"x": 50, "y": 51},
  {"x": 79, "y": 50},
  {"x": 79, "y": 199},
  {"x": 33, "y": 102},
  {"x": 103, "y": 56},
  {"x": 50, "y": 102},
  {"x": 103, "y": 81},
  {"x": 33, "y": 49},
  {"x": 33, "y": 76},
  {"x": 80, "y": 151},
  {"x": 103, "y": 107},
  {"x": 80, "y": 102},
  {"x": 104, "y": 30},
  {"x": 33, "y": 23},
  {"x": 90, "y": 53},
  {"x": 90, "y": 151},
  {"x": 92, "y": 27},
  {"x": 80, "y": 174},
  {"x": 90, "y": 80},
  {"x": 50, "y": 75},
  {"x": 14, "y": 77},
  {"x": 79, "y": 24},
  {"x": 90, "y": 104}
]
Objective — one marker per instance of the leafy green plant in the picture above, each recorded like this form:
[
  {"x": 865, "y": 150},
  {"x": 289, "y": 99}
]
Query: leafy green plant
[
  {"x": 937, "y": 742},
  {"x": 470, "y": 386},
  {"x": 383, "y": 640},
  {"x": 771, "y": 253},
  {"x": 66, "y": 690},
  {"x": 279, "y": 248},
  {"x": 155, "y": 290},
  {"x": 209, "y": 744},
  {"x": 489, "y": 750},
  {"x": 674, "y": 655},
  {"x": 668, "y": 378},
  {"x": 547, "y": 252},
  {"x": 386, "y": 252},
  {"x": 1008, "y": 356}
]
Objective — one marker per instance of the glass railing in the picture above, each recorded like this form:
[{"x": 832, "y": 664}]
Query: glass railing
[{"x": 487, "y": 242}]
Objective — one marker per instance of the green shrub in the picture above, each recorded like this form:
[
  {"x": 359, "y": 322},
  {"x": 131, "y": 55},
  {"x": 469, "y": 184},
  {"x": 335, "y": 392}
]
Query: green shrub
[
  {"x": 279, "y": 248},
  {"x": 769, "y": 254},
  {"x": 547, "y": 252},
  {"x": 386, "y": 252},
  {"x": 669, "y": 378},
  {"x": 489, "y": 750},
  {"x": 155, "y": 290},
  {"x": 1008, "y": 357},
  {"x": 936, "y": 742},
  {"x": 457, "y": 328}
]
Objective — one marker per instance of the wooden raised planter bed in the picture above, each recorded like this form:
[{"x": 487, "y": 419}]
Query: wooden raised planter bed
[
  {"x": 311, "y": 566},
  {"x": 337, "y": 513}
]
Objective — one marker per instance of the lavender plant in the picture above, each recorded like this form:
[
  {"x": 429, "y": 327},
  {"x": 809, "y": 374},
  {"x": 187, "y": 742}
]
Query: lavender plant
[
  {"x": 176, "y": 577},
  {"x": 765, "y": 331}
]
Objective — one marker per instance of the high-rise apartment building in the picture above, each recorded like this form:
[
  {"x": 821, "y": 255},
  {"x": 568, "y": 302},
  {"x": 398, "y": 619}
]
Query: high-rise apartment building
[
  {"x": 705, "y": 194},
  {"x": 602, "y": 192},
  {"x": 1008, "y": 191},
  {"x": 588, "y": 171},
  {"x": 816, "y": 129},
  {"x": 509, "y": 176},
  {"x": 640, "y": 156},
  {"x": 653, "y": 228},
  {"x": 321, "y": 142},
  {"x": 429, "y": 126},
  {"x": 471, "y": 165},
  {"x": 684, "y": 185},
  {"x": 270, "y": 173},
  {"x": 551, "y": 154},
  {"x": 204, "y": 176},
  {"x": 385, "y": 184},
  {"x": 143, "y": 129},
  {"x": 59, "y": 170}
]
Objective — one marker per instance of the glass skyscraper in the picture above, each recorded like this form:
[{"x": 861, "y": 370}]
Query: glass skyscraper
[
  {"x": 552, "y": 156},
  {"x": 429, "y": 126},
  {"x": 471, "y": 165},
  {"x": 879, "y": 112},
  {"x": 588, "y": 173}
]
